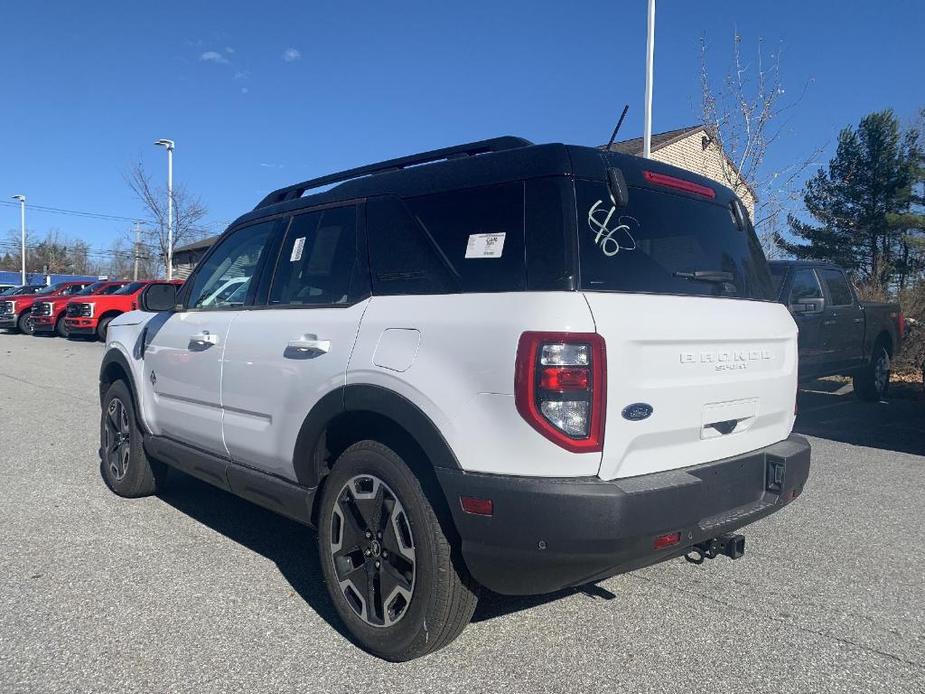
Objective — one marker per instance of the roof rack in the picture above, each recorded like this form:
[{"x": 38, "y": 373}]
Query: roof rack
[{"x": 497, "y": 144}]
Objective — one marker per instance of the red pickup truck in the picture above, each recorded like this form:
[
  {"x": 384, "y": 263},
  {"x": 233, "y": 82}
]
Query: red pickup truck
[
  {"x": 48, "y": 311},
  {"x": 91, "y": 315},
  {"x": 16, "y": 310}
]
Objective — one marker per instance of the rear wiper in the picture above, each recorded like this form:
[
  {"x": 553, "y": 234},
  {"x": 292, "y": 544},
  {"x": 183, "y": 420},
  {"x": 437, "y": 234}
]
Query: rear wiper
[{"x": 706, "y": 276}]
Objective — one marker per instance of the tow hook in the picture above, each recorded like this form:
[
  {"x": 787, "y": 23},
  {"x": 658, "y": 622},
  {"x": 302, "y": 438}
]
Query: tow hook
[{"x": 732, "y": 546}]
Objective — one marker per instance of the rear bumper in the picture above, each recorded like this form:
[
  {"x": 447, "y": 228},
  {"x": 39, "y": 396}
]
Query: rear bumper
[{"x": 550, "y": 533}]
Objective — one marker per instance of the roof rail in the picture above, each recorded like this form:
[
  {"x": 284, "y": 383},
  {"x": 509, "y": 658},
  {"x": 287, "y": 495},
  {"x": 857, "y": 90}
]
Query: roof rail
[{"x": 496, "y": 144}]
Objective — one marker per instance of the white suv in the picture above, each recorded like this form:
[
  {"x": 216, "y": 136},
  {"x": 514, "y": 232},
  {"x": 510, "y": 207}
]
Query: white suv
[{"x": 517, "y": 366}]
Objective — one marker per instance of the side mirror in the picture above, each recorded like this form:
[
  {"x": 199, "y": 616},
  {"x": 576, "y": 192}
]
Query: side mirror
[
  {"x": 807, "y": 306},
  {"x": 156, "y": 298}
]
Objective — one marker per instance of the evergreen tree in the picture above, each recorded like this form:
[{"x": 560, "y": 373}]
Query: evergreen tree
[{"x": 863, "y": 203}]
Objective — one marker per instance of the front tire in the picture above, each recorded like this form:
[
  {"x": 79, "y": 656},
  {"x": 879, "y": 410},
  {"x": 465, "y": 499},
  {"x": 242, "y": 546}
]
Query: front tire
[
  {"x": 25, "y": 324},
  {"x": 390, "y": 569},
  {"x": 125, "y": 466},
  {"x": 872, "y": 382},
  {"x": 102, "y": 328},
  {"x": 61, "y": 328}
]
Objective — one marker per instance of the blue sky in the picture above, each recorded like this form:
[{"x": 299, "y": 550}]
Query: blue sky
[{"x": 260, "y": 95}]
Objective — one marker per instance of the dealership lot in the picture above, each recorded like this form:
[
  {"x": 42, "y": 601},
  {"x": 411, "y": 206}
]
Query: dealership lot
[{"x": 197, "y": 590}]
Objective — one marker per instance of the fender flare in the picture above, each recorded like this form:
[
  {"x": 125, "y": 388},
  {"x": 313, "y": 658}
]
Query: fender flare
[{"x": 373, "y": 399}]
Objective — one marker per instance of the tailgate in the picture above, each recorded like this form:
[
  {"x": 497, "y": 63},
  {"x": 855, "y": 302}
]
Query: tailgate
[{"x": 720, "y": 376}]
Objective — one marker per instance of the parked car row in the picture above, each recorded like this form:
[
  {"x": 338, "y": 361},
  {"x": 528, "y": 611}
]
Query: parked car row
[{"x": 70, "y": 309}]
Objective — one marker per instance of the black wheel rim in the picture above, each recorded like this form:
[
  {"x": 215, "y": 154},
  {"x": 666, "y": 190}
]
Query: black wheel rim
[
  {"x": 117, "y": 439},
  {"x": 372, "y": 551}
]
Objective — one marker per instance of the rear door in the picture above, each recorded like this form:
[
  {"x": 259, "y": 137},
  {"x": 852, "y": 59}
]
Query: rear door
[
  {"x": 286, "y": 354},
  {"x": 680, "y": 290},
  {"x": 843, "y": 320},
  {"x": 183, "y": 356}
]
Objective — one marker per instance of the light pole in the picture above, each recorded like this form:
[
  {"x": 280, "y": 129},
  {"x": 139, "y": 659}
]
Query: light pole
[
  {"x": 22, "y": 225},
  {"x": 650, "y": 54},
  {"x": 168, "y": 144}
]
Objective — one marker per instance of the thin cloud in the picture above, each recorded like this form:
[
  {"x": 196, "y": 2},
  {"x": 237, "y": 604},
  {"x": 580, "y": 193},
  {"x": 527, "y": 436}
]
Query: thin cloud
[
  {"x": 290, "y": 55},
  {"x": 229, "y": 50},
  {"x": 244, "y": 90},
  {"x": 213, "y": 57},
  {"x": 242, "y": 74}
]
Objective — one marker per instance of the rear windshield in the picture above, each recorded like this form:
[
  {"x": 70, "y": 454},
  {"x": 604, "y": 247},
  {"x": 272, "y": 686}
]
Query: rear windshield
[{"x": 664, "y": 243}]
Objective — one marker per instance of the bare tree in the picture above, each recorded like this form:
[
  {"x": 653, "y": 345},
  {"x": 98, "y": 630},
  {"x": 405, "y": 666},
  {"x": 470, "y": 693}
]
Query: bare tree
[
  {"x": 745, "y": 113},
  {"x": 189, "y": 214}
]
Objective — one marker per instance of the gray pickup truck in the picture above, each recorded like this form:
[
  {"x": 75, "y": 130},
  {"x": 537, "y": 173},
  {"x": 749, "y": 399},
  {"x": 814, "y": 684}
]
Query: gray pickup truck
[{"x": 838, "y": 333}]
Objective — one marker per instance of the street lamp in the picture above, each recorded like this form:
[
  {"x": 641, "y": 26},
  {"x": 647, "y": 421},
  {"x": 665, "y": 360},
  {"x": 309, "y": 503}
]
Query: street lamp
[
  {"x": 168, "y": 144},
  {"x": 22, "y": 224}
]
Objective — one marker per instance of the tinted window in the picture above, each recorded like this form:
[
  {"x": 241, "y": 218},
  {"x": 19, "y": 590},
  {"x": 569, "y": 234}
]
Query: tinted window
[
  {"x": 804, "y": 285},
  {"x": 111, "y": 289},
  {"x": 660, "y": 240},
  {"x": 837, "y": 287},
  {"x": 236, "y": 256},
  {"x": 91, "y": 289},
  {"x": 318, "y": 258},
  {"x": 778, "y": 273},
  {"x": 465, "y": 240},
  {"x": 129, "y": 288},
  {"x": 33, "y": 289},
  {"x": 73, "y": 289}
]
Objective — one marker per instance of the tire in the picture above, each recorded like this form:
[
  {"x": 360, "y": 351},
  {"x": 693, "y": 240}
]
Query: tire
[
  {"x": 61, "y": 327},
  {"x": 429, "y": 596},
  {"x": 24, "y": 324},
  {"x": 125, "y": 466},
  {"x": 872, "y": 382},
  {"x": 102, "y": 328}
]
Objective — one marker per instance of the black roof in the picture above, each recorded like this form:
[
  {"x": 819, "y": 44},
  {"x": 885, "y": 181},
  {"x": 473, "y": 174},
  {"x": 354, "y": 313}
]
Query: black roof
[
  {"x": 200, "y": 245},
  {"x": 485, "y": 162}
]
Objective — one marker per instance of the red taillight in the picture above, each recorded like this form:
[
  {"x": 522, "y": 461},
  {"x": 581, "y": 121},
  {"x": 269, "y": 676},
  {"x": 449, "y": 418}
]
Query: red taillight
[
  {"x": 679, "y": 184},
  {"x": 667, "y": 540},
  {"x": 901, "y": 325},
  {"x": 476, "y": 506},
  {"x": 560, "y": 387}
]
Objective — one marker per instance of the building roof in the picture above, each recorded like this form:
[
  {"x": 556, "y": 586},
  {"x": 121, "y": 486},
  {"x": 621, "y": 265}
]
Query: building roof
[
  {"x": 200, "y": 245},
  {"x": 659, "y": 140}
]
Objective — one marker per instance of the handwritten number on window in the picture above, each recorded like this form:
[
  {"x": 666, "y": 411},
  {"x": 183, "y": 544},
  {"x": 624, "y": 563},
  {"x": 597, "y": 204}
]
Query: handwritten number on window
[{"x": 611, "y": 239}]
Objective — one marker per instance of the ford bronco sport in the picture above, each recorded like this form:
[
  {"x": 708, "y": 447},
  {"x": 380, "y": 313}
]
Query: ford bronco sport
[{"x": 517, "y": 366}]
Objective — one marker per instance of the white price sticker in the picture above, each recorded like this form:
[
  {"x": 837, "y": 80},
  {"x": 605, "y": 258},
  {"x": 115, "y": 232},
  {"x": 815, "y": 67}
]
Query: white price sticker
[
  {"x": 485, "y": 245},
  {"x": 297, "y": 250}
]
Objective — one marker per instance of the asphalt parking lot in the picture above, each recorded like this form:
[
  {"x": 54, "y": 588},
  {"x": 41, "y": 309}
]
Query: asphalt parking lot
[{"x": 198, "y": 591}]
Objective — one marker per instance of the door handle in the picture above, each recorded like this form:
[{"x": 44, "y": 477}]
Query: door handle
[
  {"x": 307, "y": 346},
  {"x": 202, "y": 340}
]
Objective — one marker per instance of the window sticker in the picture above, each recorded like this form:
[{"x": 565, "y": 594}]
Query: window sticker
[
  {"x": 297, "y": 250},
  {"x": 611, "y": 235},
  {"x": 485, "y": 245}
]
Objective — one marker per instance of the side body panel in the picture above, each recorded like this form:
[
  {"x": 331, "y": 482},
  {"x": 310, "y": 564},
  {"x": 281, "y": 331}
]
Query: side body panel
[{"x": 461, "y": 371}]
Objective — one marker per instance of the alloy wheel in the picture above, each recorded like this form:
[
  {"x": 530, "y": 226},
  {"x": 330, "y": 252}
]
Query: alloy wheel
[
  {"x": 372, "y": 550},
  {"x": 117, "y": 442}
]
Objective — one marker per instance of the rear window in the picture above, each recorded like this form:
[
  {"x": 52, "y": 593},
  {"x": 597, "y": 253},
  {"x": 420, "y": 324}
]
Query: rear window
[
  {"x": 663, "y": 243},
  {"x": 468, "y": 240}
]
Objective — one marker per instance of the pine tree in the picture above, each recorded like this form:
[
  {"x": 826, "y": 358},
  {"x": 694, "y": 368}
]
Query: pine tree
[{"x": 857, "y": 201}]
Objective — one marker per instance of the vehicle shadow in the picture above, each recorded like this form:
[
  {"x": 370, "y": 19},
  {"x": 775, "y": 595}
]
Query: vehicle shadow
[
  {"x": 290, "y": 545},
  {"x": 830, "y": 410},
  {"x": 293, "y": 548}
]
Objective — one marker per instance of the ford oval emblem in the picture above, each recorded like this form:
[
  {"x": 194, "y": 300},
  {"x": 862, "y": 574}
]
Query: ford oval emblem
[{"x": 637, "y": 411}]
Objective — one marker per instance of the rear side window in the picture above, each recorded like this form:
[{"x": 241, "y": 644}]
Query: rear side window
[
  {"x": 837, "y": 286},
  {"x": 129, "y": 288},
  {"x": 804, "y": 285},
  {"x": 318, "y": 261},
  {"x": 460, "y": 241},
  {"x": 663, "y": 243}
]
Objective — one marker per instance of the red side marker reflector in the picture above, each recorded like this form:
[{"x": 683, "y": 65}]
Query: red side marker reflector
[
  {"x": 679, "y": 184},
  {"x": 477, "y": 507},
  {"x": 667, "y": 540},
  {"x": 564, "y": 378}
]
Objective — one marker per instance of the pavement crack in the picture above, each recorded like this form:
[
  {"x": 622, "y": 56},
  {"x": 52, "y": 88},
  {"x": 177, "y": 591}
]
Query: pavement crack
[{"x": 779, "y": 620}]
